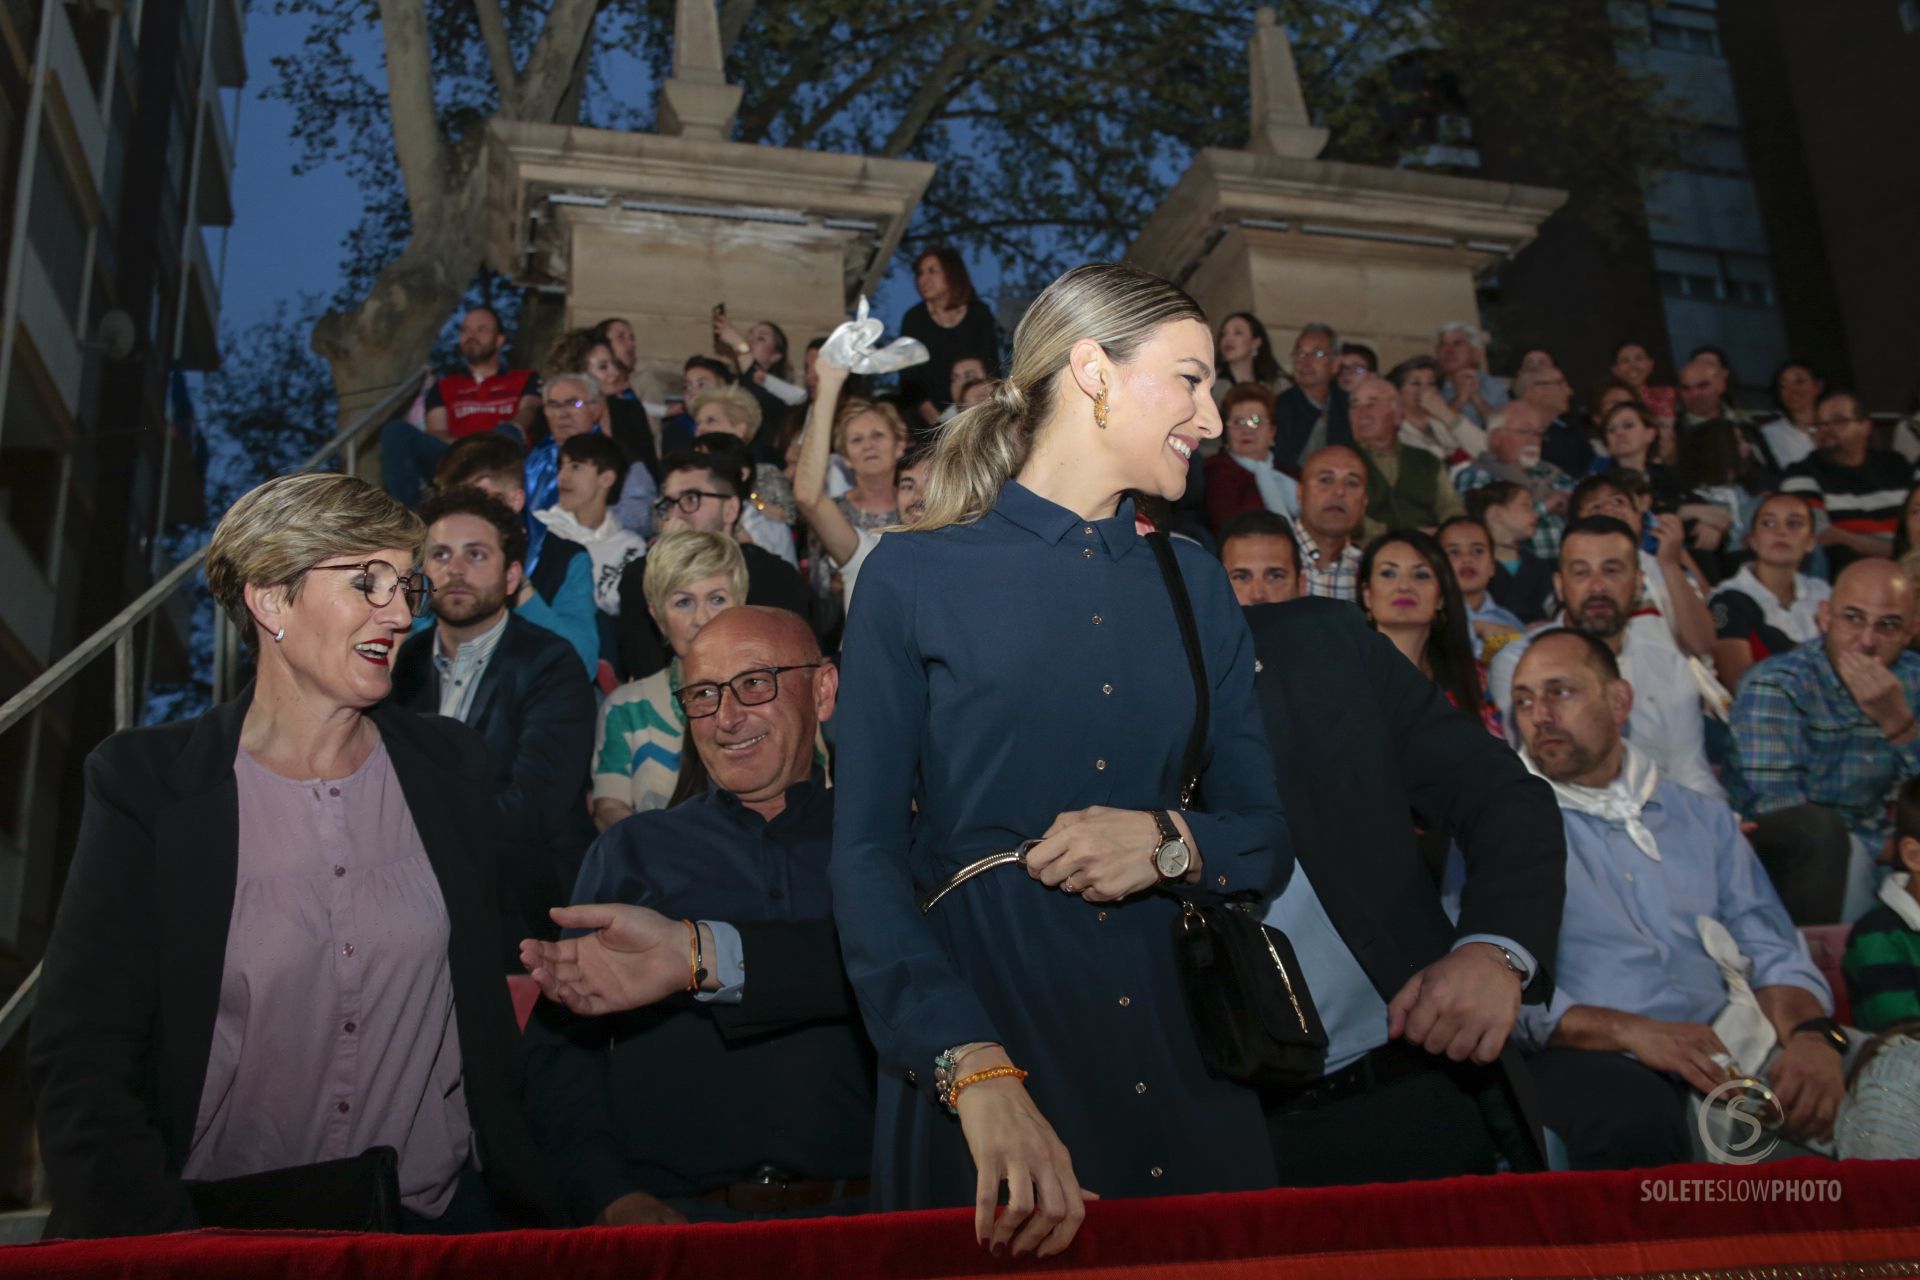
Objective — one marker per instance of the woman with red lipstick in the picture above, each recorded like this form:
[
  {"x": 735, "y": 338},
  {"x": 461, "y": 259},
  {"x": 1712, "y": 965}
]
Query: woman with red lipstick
[
  {"x": 277, "y": 946},
  {"x": 1411, "y": 597}
]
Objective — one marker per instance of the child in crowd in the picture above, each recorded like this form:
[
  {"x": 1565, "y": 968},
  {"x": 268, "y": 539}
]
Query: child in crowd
[
  {"x": 592, "y": 470},
  {"x": 1882, "y": 962},
  {"x": 1521, "y": 580},
  {"x": 1469, "y": 549}
]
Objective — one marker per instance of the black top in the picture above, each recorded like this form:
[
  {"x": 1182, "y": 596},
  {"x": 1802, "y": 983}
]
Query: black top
[
  {"x": 975, "y": 335},
  {"x": 1567, "y": 447},
  {"x": 632, "y": 430},
  {"x": 1296, "y": 415},
  {"x": 131, "y": 989},
  {"x": 771, "y": 581},
  {"x": 1363, "y": 743},
  {"x": 1523, "y": 592},
  {"x": 537, "y": 718},
  {"x": 687, "y": 1096}
]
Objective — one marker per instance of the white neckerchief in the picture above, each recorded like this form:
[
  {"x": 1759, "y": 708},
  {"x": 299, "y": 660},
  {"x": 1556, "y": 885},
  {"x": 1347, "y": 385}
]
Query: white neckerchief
[
  {"x": 563, "y": 522},
  {"x": 1796, "y": 621},
  {"x": 1893, "y": 892},
  {"x": 1742, "y": 1026},
  {"x": 1275, "y": 492},
  {"x": 1620, "y": 801}
]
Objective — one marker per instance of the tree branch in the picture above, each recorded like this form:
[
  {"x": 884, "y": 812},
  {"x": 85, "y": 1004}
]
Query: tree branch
[
  {"x": 549, "y": 73},
  {"x": 881, "y": 67},
  {"x": 933, "y": 89},
  {"x": 813, "y": 55},
  {"x": 417, "y": 141},
  {"x": 506, "y": 78}
]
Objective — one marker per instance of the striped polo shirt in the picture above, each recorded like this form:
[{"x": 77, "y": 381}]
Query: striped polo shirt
[{"x": 1864, "y": 499}]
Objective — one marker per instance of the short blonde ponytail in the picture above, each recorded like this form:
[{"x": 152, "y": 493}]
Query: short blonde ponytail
[{"x": 975, "y": 454}]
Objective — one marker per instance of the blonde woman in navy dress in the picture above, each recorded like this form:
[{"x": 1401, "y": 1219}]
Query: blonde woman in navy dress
[{"x": 1013, "y": 670}]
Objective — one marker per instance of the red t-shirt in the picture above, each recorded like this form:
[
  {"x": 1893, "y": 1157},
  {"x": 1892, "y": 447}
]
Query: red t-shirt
[{"x": 474, "y": 405}]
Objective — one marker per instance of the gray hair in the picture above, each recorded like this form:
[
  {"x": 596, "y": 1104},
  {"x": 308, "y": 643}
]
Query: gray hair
[
  {"x": 1475, "y": 335},
  {"x": 590, "y": 390},
  {"x": 1315, "y": 326}
]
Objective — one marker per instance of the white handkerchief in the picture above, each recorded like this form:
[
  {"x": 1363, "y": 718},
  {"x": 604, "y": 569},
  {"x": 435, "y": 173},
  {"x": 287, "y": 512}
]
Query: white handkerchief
[{"x": 853, "y": 346}]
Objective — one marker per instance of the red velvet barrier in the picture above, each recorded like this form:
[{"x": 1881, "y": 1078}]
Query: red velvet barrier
[{"x": 1575, "y": 1224}]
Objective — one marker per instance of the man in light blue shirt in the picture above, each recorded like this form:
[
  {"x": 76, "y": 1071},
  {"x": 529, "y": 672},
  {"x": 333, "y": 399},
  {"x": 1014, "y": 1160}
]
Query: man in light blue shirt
[
  {"x": 1419, "y": 1080},
  {"x": 1630, "y": 1029}
]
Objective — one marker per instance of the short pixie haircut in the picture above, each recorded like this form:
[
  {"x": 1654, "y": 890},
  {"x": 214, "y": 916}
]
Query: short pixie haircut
[
  {"x": 734, "y": 401},
  {"x": 281, "y": 529},
  {"x": 684, "y": 557}
]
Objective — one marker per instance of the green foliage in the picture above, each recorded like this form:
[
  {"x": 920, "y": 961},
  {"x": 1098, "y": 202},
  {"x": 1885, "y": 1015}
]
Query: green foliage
[{"x": 1057, "y": 127}]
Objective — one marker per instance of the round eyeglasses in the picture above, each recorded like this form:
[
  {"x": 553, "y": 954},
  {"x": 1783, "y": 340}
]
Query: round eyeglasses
[
  {"x": 379, "y": 580},
  {"x": 688, "y": 500},
  {"x": 750, "y": 689}
]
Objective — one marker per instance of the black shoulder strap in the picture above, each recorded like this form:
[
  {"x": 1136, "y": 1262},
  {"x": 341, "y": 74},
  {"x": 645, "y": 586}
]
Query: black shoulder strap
[{"x": 1190, "y": 637}]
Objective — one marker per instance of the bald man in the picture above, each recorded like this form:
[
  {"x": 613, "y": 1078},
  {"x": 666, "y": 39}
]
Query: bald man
[
  {"x": 690, "y": 1104},
  {"x": 1333, "y": 506},
  {"x": 1516, "y": 445},
  {"x": 1407, "y": 488},
  {"x": 1823, "y": 736}
]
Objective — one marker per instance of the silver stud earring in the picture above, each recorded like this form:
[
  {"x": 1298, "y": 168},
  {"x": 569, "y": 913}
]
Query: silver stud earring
[{"x": 280, "y": 635}]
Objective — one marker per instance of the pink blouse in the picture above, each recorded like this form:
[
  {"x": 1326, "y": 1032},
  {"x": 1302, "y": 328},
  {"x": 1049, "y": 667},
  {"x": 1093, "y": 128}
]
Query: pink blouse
[{"x": 335, "y": 1031}]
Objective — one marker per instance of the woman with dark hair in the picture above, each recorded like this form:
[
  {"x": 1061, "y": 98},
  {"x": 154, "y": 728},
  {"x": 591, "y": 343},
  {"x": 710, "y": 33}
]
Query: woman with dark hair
[
  {"x": 952, "y": 321},
  {"x": 759, "y": 357},
  {"x": 1906, "y": 534},
  {"x": 1245, "y": 354},
  {"x": 1411, "y": 597},
  {"x": 1722, "y": 484},
  {"x": 1797, "y": 389},
  {"x": 1633, "y": 365}
]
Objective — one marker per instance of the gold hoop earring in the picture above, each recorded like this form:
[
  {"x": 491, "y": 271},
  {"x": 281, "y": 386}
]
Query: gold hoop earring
[{"x": 1100, "y": 410}]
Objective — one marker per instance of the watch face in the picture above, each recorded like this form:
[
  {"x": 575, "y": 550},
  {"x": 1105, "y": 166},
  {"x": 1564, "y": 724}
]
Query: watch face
[{"x": 1172, "y": 859}]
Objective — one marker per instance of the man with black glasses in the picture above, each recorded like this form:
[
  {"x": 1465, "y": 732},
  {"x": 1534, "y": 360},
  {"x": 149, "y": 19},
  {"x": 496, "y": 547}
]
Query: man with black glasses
[
  {"x": 701, "y": 491},
  {"x": 1857, "y": 491},
  {"x": 678, "y": 1083}
]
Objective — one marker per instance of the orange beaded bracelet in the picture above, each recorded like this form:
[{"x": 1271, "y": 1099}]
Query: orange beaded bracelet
[{"x": 981, "y": 1077}]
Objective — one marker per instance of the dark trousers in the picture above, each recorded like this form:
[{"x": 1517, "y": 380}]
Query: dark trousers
[
  {"x": 1610, "y": 1111},
  {"x": 1397, "y": 1115},
  {"x": 1805, "y": 850}
]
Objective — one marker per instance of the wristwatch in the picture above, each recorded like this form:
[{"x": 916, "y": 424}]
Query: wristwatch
[
  {"x": 743, "y": 348},
  {"x": 1171, "y": 857},
  {"x": 1828, "y": 1030},
  {"x": 1512, "y": 960}
]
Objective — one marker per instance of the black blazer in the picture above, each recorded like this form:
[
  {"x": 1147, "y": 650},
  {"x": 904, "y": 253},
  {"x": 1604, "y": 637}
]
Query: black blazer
[
  {"x": 1363, "y": 743},
  {"x": 537, "y": 717},
  {"x": 131, "y": 985}
]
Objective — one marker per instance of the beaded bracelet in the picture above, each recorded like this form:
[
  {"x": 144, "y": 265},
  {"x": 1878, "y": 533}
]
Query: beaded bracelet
[
  {"x": 980, "y": 1077},
  {"x": 946, "y": 1066},
  {"x": 696, "y": 963}
]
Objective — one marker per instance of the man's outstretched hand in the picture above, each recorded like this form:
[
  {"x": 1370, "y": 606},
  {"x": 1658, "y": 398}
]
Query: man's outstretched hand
[{"x": 634, "y": 957}]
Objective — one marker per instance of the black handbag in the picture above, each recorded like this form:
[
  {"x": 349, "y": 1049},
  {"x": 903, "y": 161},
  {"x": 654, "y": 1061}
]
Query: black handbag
[
  {"x": 359, "y": 1193},
  {"x": 1252, "y": 1015}
]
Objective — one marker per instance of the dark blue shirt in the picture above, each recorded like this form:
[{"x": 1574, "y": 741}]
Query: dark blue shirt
[
  {"x": 663, "y": 1099},
  {"x": 996, "y": 675}
]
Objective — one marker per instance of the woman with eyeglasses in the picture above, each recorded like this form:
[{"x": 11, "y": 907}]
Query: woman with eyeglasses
[
  {"x": 1242, "y": 477},
  {"x": 277, "y": 947}
]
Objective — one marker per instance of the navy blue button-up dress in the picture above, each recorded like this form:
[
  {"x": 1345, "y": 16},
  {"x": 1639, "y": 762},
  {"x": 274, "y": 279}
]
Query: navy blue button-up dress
[{"x": 996, "y": 675}]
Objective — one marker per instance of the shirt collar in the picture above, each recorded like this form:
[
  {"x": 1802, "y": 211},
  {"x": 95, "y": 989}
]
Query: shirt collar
[
  {"x": 1051, "y": 522},
  {"x": 797, "y": 795},
  {"x": 478, "y": 648}
]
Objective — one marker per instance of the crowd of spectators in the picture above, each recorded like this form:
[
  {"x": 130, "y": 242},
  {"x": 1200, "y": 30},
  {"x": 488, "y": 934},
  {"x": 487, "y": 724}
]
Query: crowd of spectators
[{"x": 1680, "y": 623}]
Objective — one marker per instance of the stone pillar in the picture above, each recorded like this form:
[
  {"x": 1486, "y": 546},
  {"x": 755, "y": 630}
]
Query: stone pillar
[
  {"x": 696, "y": 101},
  {"x": 1383, "y": 255}
]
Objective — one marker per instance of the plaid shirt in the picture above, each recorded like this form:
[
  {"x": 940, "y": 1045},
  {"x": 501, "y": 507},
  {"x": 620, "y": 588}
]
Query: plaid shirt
[
  {"x": 1800, "y": 738},
  {"x": 1338, "y": 581},
  {"x": 1545, "y": 542}
]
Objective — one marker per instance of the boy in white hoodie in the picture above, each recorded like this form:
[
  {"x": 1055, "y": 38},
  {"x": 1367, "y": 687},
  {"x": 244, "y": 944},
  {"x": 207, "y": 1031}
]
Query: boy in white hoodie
[{"x": 589, "y": 480}]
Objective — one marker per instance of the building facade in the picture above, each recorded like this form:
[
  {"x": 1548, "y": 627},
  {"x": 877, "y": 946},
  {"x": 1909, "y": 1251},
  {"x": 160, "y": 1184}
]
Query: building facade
[{"x": 117, "y": 119}]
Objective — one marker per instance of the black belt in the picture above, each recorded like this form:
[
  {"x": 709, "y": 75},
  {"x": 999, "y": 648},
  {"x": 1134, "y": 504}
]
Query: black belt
[{"x": 1387, "y": 1065}]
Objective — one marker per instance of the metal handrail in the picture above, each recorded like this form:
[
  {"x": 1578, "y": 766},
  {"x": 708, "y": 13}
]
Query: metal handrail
[{"x": 117, "y": 635}]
